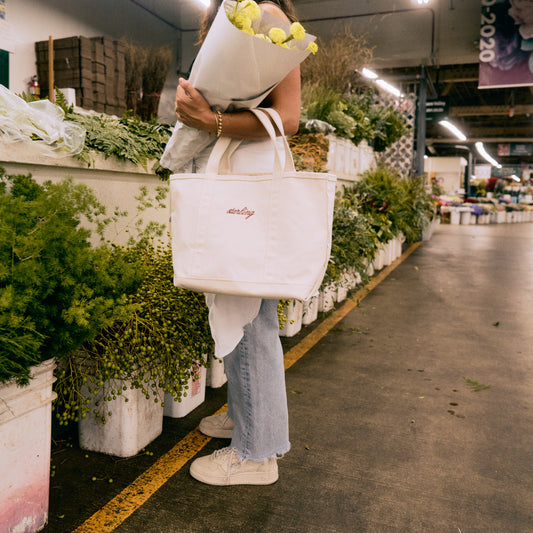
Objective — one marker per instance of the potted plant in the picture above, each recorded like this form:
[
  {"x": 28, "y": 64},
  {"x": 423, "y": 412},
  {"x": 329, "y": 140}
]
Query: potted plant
[
  {"x": 145, "y": 359},
  {"x": 54, "y": 295}
]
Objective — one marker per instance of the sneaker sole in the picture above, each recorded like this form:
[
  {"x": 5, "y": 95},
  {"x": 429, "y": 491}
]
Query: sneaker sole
[
  {"x": 245, "y": 478},
  {"x": 217, "y": 434}
]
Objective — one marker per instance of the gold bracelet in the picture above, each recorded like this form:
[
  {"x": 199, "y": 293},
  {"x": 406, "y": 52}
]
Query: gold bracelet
[{"x": 218, "y": 118}]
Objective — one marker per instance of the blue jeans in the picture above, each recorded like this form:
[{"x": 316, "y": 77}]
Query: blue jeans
[{"x": 257, "y": 399}]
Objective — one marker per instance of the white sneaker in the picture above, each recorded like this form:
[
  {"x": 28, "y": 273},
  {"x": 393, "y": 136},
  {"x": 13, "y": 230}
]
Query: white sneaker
[
  {"x": 219, "y": 426},
  {"x": 225, "y": 467}
]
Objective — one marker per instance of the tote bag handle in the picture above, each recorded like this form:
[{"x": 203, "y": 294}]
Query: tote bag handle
[{"x": 218, "y": 162}]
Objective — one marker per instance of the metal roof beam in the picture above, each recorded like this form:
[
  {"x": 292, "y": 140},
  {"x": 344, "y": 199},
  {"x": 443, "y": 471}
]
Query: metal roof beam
[{"x": 487, "y": 110}]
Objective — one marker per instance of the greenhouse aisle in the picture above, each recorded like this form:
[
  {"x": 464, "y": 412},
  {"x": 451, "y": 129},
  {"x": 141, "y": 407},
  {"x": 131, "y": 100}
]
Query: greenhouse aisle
[{"x": 413, "y": 414}]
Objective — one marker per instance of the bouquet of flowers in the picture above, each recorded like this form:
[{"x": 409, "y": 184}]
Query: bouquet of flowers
[{"x": 245, "y": 54}]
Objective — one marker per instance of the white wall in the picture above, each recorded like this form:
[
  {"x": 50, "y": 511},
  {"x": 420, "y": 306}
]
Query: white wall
[
  {"x": 449, "y": 171},
  {"x": 28, "y": 21}
]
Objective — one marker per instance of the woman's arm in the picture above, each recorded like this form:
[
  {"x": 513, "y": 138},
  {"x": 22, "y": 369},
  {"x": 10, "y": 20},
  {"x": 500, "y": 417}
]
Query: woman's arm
[{"x": 193, "y": 110}]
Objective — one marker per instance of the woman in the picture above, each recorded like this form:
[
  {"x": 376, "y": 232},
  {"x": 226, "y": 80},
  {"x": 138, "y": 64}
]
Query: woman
[{"x": 245, "y": 329}]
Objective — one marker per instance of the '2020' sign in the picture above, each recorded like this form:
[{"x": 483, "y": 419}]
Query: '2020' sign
[{"x": 487, "y": 41}]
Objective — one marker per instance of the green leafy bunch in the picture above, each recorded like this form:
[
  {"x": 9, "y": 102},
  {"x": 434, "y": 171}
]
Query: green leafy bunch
[
  {"x": 356, "y": 116},
  {"x": 154, "y": 349},
  {"x": 128, "y": 138},
  {"x": 56, "y": 291},
  {"x": 393, "y": 203},
  {"x": 422, "y": 208},
  {"x": 353, "y": 242}
]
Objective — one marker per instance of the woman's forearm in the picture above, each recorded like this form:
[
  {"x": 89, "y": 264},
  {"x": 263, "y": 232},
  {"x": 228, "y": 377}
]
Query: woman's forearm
[{"x": 194, "y": 111}]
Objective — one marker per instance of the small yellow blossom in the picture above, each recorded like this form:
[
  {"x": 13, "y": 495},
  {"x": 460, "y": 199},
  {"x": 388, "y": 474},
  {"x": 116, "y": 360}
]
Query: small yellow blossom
[
  {"x": 250, "y": 9},
  {"x": 312, "y": 47},
  {"x": 297, "y": 31},
  {"x": 242, "y": 21},
  {"x": 277, "y": 35},
  {"x": 242, "y": 13}
]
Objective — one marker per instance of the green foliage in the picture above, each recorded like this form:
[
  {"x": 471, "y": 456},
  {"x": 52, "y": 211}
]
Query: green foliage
[
  {"x": 283, "y": 305},
  {"x": 56, "y": 291},
  {"x": 353, "y": 242},
  {"x": 475, "y": 386},
  {"x": 374, "y": 210},
  {"x": 395, "y": 203},
  {"x": 156, "y": 345},
  {"x": 421, "y": 208},
  {"x": 129, "y": 138},
  {"x": 356, "y": 117}
]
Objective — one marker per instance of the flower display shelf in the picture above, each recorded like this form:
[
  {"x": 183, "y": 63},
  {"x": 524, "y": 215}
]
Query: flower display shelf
[
  {"x": 25, "y": 440},
  {"x": 134, "y": 422},
  {"x": 193, "y": 396},
  {"x": 379, "y": 258},
  {"x": 216, "y": 377},
  {"x": 293, "y": 322},
  {"x": 326, "y": 298},
  {"x": 310, "y": 311}
]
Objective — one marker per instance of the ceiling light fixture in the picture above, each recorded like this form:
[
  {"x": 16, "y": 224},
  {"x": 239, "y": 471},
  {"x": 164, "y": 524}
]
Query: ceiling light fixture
[
  {"x": 367, "y": 73},
  {"x": 421, "y": 2},
  {"x": 454, "y": 129},
  {"x": 515, "y": 178},
  {"x": 371, "y": 75},
  {"x": 389, "y": 88},
  {"x": 483, "y": 153}
]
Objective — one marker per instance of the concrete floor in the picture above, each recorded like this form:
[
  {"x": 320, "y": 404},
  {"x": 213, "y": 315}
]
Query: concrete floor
[{"x": 388, "y": 432}]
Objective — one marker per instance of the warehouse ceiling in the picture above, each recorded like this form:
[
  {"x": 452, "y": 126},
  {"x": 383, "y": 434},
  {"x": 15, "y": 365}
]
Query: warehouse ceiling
[{"x": 442, "y": 37}]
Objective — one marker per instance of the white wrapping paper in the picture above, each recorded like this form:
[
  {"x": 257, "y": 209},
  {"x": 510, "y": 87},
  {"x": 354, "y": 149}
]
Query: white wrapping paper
[
  {"x": 233, "y": 70},
  {"x": 22, "y": 121}
]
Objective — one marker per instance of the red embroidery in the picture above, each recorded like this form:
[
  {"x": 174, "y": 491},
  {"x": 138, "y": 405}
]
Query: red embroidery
[{"x": 244, "y": 211}]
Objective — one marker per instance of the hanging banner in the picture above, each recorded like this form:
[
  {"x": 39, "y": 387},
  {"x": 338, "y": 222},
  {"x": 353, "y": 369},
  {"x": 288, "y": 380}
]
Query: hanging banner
[
  {"x": 516, "y": 149},
  {"x": 506, "y": 44}
]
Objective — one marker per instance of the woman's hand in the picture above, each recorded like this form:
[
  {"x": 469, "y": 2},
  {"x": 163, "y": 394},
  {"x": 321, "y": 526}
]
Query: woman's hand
[{"x": 192, "y": 108}]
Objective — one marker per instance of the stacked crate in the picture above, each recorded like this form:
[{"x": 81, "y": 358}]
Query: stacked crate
[
  {"x": 94, "y": 67},
  {"x": 73, "y": 59},
  {"x": 111, "y": 66}
]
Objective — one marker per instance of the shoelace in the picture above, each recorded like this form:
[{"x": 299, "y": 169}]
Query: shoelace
[{"x": 230, "y": 458}]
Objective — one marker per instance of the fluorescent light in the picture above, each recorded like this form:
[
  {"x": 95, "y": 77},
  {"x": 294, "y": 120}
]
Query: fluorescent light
[
  {"x": 515, "y": 178},
  {"x": 454, "y": 129},
  {"x": 204, "y": 3},
  {"x": 421, "y": 2},
  {"x": 389, "y": 88},
  {"x": 483, "y": 153},
  {"x": 367, "y": 73}
]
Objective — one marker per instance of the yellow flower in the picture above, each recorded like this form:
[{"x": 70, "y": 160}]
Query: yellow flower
[
  {"x": 297, "y": 31},
  {"x": 242, "y": 21},
  {"x": 277, "y": 35},
  {"x": 250, "y": 8},
  {"x": 312, "y": 47},
  {"x": 249, "y": 31},
  {"x": 263, "y": 37}
]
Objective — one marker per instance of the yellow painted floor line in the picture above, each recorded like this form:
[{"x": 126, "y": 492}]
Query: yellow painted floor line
[{"x": 109, "y": 517}]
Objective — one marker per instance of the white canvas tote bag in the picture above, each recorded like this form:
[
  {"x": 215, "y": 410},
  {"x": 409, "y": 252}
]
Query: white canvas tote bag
[{"x": 264, "y": 235}]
